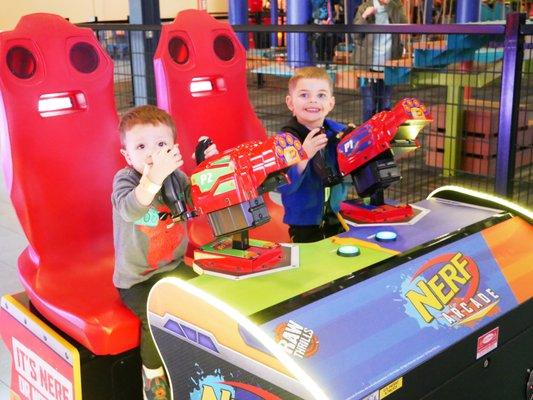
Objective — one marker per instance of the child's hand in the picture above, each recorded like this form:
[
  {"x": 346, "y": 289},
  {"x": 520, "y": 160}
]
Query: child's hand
[
  {"x": 164, "y": 162},
  {"x": 315, "y": 141},
  {"x": 211, "y": 150}
]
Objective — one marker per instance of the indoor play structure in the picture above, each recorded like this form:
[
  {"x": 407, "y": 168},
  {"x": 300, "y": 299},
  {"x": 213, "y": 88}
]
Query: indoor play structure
[
  {"x": 369, "y": 314},
  {"x": 468, "y": 58}
]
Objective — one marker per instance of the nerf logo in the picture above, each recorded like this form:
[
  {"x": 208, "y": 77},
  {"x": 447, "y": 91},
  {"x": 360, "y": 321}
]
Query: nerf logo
[
  {"x": 208, "y": 393},
  {"x": 447, "y": 289},
  {"x": 288, "y": 148}
]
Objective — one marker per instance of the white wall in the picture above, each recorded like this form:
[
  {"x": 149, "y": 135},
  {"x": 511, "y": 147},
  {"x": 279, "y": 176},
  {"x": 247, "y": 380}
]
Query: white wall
[
  {"x": 86, "y": 10},
  {"x": 76, "y": 11},
  {"x": 110, "y": 10}
]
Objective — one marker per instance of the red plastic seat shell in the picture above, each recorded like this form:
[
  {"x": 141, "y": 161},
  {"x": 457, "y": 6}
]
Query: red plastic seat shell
[
  {"x": 59, "y": 167},
  {"x": 224, "y": 113}
]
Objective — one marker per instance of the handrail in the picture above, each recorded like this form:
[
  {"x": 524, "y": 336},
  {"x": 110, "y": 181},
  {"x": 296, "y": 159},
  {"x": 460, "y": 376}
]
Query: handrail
[{"x": 487, "y": 29}]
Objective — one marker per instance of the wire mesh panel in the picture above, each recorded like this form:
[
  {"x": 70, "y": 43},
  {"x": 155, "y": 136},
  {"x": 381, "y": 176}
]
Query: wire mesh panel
[
  {"x": 117, "y": 44},
  {"x": 132, "y": 48},
  {"x": 523, "y": 178},
  {"x": 455, "y": 72},
  {"x": 457, "y": 76}
]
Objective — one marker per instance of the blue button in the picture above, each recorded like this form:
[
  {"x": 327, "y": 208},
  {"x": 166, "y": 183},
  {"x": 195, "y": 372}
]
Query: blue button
[
  {"x": 386, "y": 236},
  {"x": 348, "y": 251}
]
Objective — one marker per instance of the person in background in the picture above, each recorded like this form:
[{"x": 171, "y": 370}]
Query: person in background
[
  {"x": 372, "y": 51},
  {"x": 323, "y": 13}
]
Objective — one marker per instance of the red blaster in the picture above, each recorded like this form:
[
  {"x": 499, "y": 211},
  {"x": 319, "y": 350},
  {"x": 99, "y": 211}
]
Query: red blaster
[
  {"x": 372, "y": 138},
  {"x": 243, "y": 173}
]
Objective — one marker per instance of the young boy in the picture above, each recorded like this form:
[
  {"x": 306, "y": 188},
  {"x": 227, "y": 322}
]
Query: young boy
[
  {"x": 310, "y": 207},
  {"x": 148, "y": 245}
]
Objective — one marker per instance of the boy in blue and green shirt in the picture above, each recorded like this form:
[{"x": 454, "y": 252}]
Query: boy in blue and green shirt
[{"x": 311, "y": 207}]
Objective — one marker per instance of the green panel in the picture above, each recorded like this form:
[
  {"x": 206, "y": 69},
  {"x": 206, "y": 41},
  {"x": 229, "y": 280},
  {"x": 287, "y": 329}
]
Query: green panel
[
  {"x": 319, "y": 265},
  {"x": 207, "y": 178},
  {"x": 224, "y": 187},
  {"x": 527, "y": 67},
  {"x": 472, "y": 79},
  {"x": 454, "y": 130}
]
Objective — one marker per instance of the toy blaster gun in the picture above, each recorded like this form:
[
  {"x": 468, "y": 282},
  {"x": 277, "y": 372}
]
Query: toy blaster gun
[
  {"x": 366, "y": 154},
  {"x": 228, "y": 189}
]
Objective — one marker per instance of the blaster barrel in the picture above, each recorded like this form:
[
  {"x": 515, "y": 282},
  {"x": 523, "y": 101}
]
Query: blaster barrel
[{"x": 367, "y": 141}]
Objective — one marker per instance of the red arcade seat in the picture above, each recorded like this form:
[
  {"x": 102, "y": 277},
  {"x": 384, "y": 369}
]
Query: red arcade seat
[
  {"x": 200, "y": 73},
  {"x": 60, "y": 151}
]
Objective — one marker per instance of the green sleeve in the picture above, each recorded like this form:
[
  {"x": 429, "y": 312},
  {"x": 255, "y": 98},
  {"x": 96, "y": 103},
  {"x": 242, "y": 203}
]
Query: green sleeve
[{"x": 358, "y": 20}]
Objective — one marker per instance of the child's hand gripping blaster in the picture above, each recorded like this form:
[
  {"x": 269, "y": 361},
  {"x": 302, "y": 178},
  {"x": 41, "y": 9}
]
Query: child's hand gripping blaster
[
  {"x": 366, "y": 153},
  {"x": 173, "y": 192}
]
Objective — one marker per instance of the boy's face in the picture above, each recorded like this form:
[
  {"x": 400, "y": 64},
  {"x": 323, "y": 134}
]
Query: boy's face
[
  {"x": 141, "y": 141},
  {"x": 311, "y": 101}
]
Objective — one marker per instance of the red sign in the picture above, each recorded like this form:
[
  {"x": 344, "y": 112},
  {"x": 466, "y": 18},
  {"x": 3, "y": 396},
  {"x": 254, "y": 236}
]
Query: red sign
[
  {"x": 487, "y": 342},
  {"x": 43, "y": 366}
]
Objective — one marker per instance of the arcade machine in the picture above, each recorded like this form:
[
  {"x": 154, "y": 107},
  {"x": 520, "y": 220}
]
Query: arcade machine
[
  {"x": 363, "y": 316},
  {"x": 437, "y": 306}
]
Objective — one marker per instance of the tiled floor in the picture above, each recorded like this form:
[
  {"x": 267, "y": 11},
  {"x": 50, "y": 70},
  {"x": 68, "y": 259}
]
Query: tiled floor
[{"x": 12, "y": 242}]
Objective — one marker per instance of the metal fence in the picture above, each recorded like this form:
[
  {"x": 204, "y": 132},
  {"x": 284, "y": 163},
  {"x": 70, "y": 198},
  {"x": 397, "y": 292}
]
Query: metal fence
[
  {"x": 522, "y": 179},
  {"x": 475, "y": 79}
]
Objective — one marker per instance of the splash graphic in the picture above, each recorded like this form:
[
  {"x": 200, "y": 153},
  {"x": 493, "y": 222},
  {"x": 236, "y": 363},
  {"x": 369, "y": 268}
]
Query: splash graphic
[
  {"x": 210, "y": 386},
  {"x": 213, "y": 386}
]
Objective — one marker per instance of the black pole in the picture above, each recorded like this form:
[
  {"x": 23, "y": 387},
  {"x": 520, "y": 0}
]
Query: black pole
[
  {"x": 143, "y": 45},
  {"x": 513, "y": 55}
]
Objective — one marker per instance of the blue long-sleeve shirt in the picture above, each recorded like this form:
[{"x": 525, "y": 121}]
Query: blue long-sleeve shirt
[{"x": 304, "y": 197}]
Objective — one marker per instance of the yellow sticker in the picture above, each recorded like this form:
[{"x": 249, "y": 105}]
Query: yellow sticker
[
  {"x": 291, "y": 155},
  {"x": 417, "y": 113},
  {"x": 391, "y": 388}
]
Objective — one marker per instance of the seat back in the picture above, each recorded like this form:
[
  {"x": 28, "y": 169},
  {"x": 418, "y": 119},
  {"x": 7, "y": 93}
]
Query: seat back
[
  {"x": 60, "y": 151},
  {"x": 58, "y": 123},
  {"x": 200, "y": 74}
]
